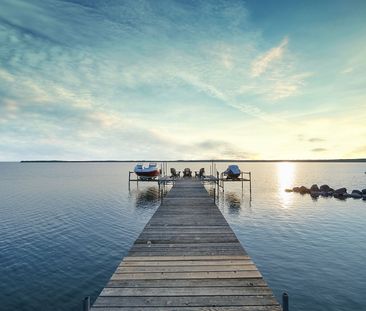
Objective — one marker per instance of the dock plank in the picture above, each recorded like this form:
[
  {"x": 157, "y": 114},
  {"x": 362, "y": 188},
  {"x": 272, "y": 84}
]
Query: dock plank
[
  {"x": 186, "y": 275},
  {"x": 184, "y": 263},
  {"x": 188, "y": 283},
  {"x": 186, "y": 301},
  {"x": 186, "y": 291},
  {"x": 216, "y": 308}
]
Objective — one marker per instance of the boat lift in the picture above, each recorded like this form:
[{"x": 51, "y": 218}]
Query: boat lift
[
  {"x": 162, "y": 180},
  {"x": 219, "y": 180}
]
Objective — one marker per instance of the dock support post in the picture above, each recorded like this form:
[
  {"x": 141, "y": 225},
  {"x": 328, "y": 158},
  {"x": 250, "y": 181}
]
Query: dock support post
[
  {"x": 161, "y": 195},
  {"x": 285, "y": 302},
  {"x": 242, "y": 182},
  {"x": 214, "y": 191},
  {"x": 250, "y": 185},
  {"x": 129, "y": 181},
  {"x": 86, "y": 304},
  {"x": 218, "y": 183}
]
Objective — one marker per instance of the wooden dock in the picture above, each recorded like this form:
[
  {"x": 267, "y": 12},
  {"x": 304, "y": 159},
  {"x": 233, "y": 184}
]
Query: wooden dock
[{"x": 187, "y": 258}]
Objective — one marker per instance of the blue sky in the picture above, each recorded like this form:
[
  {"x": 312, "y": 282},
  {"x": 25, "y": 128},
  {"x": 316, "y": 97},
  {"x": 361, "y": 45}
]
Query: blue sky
[{"x": 182, "y": 79}]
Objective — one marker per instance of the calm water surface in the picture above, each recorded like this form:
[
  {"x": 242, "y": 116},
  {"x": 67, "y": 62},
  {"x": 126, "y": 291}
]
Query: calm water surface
[{"x": 64, "y": 227}]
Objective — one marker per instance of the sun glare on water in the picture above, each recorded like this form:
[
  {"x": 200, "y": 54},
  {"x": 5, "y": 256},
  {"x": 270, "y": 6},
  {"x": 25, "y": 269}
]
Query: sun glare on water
[{"x": 285, "y": 177}]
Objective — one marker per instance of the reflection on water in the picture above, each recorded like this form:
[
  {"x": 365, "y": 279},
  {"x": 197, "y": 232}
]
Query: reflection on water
[
  {"x": 147, "y": 198},
  {"x": 233, "y": 202},
  {"x": 210, "y": 189},
  {"x": 285, "y": 179}
]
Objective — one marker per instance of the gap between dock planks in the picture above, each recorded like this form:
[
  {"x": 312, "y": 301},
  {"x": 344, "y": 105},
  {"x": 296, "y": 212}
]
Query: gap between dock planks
[{"x": 187, "y": 258}]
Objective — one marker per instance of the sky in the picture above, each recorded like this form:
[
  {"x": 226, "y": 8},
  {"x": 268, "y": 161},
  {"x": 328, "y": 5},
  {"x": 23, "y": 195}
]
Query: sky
[{"x": 120, "y": 80}]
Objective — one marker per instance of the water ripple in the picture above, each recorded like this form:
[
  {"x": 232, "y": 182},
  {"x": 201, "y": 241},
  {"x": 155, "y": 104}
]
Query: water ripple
[{"x": 65, "y": 227}]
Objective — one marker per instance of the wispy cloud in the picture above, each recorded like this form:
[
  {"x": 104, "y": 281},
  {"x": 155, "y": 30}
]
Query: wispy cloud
[
  {"x": 347, "y": 70},
  {"x": 263, "y": 62},
  {"x": 6, "y": 76}
]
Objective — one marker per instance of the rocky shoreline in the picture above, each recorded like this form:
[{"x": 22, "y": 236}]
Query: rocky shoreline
[{"x": 326, "y": 191}]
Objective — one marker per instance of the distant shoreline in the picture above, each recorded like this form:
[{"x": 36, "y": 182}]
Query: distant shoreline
[{"x": 208, "y": 160}]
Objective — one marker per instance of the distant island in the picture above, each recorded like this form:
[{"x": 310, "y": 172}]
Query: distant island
[{"x": 207, "y": 160}]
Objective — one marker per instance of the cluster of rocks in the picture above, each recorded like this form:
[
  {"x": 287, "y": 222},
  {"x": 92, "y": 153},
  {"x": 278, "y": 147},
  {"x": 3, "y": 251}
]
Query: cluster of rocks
[{"x": 326, "y": 191}]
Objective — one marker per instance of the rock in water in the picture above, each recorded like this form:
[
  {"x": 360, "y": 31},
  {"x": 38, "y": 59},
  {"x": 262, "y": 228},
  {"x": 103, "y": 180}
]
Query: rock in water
[
  {"x": 296, "y": 189},
  {"x": 304, "y": 190},
  {"x": 364, "y": 191},
  {"x": 356, "y": 195},
  {"x": 289, "y": 190},
  {"x": 314, "y": 188},
  {"x": 340, "y": 196},
  {"x": 341, "y": 191},
  {"x": 324, "y": 188},
  {"x": 357, "y": 191}
]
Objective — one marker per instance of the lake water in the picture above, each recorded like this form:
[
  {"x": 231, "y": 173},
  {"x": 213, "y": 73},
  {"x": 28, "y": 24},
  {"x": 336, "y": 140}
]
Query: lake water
[{"x": 64, "y": 227}]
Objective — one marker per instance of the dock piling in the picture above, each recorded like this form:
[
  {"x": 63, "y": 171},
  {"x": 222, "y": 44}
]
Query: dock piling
[
  {"x": 129, "y": 181},
  {"x": 285, "y": 302},
  {"x": 250, "y": 185},
  {"x": 86, "y": 304},
  {"x": 214, "y": 193},
  {"x": 242, "y": 182}
]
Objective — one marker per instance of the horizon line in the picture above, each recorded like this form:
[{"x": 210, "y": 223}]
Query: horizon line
[{"x": 196, "y": 160}]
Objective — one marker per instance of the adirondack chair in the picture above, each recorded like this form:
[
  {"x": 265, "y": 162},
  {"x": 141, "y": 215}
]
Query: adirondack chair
[
  {"x": 174, "y": 173},
  {"x": 187, "y": 172}
]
